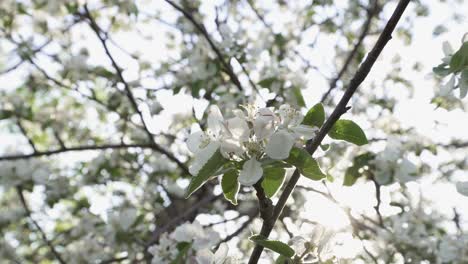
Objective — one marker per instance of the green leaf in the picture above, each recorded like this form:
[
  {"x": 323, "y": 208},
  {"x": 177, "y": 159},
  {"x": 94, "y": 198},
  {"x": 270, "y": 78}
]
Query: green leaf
[
  {"x": 183, "y": 248},
  {"x": 463, "y": 83},
  {"x": 5, "y": 114},
  {"x": 315, "y": 116},
  {"x": 208, "y": 170},
  {"x": 277, "y": 246},
  {"x": 283, "y": 260},
  {"x": 349, "y": 131},
  {"x": 298, "y": 95},
  {"x": 306, "y": 164},
  {"x": 230, "y": 186},
  {"x": 266, "y": 83},
  {"x": 273, "y": 179},
  {"x": 441, "y": 70},
  {"x": 459, "y": 60}
]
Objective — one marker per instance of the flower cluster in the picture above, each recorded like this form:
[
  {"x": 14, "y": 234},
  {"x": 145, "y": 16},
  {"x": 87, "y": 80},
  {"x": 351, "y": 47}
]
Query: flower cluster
[
  {"x": 15, "y": 173},
  {"x": 250, "y": 135},
  {"x": 190, "y": 241},
  {"x": 391, "y": 164},
  {"x": 317, "y": 247},
  {"x": 455, "y": 65},
  {"x": 422, "y": 238}
]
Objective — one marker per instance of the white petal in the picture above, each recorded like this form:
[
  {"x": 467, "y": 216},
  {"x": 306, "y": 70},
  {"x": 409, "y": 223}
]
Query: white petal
[
  {"x": 231, "y": 147},
  {"x": 462, "y": 188},
  {"x": 279, "y": 145},
  {"x": 285, "y": 114},
  {"x": 215, "y": 120},
  {"x": 195, "y": 140},
  {"x": 202, "y": 157},
  {"x": 221, "y": 254},
  {"x": 239, "y": 113},
  {"x": 304, "y": 131},
  {"x": 251, "y": 172},
  {"x": 263, "y": 127},
  {"x": 127, "y": 217},
  {"x": 205, "y": 256},
  {"x": 447, "y": 48},
  {"x": 238, "y": 128},
  {"x": 405, "y": 171},
  {"x": 447, "y": 88}
]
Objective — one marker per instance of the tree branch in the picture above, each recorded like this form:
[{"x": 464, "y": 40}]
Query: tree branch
[
  {"x": 371, "y": 12},
  {"x": 57, "y": 255},
  {"x": 70, "y": 149},
  {"x": 227, "y": 67},
  {"x": 340, "y": 109},
  {"x": 103, "y": 39}
]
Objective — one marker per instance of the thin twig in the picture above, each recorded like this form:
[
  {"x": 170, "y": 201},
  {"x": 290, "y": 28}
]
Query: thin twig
[
  {"x": 57, "y": 255},
  {"x": 371, "y": 12},
  {"x": 227, "y": 67},
  {"x": 70, "y": 149},
  {"x": 99, "y": 33}
]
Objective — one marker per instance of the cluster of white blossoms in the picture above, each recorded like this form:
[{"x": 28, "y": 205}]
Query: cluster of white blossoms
[
  {"x": 194, "y": 243},
  {"x": 317, "y": 247},
  {"x": 15, "y": 173},
  {"x": 456, "y": 78},
  {"x": 420, "y": 236},
  {"x": 391, "y": 164},
  {"x": 250, "y": 135}
]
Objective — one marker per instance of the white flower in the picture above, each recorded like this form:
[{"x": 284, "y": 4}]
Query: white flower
[
  {"x": 448, "y": 51},
  {"x": 264, "y": 123},
  {"x": 298, "y": 243},
  {"x": 124, "y": 218},
  {"x": 279, "y": 145},
  {"x": 405, "y": 171},
  {"x": 205, "y": 256},
  {"x": 215, "y": 121},
  {"x": 226, "y": 135},
  {"x": 447, "y": 88},
  {"x": 251, "y": 172},
  {"x": 238, "y": 128},
  {"x": 448, "y": 251},
  {"x": 321, "y": 238},
  {"x": 41, "y": 176},
  {"x": 290, "y": 129},
  {"x": 462, "y": 188},
  {"x": 194, "y": 232}
]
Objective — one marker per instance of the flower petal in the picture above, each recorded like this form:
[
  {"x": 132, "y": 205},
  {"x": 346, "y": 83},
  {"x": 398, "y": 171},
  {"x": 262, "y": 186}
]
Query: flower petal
[
  {"x": 195, "y": 140},
  {"x": 447, "y": 88},
  {"x": 204, "y": 256},
  {"x": 462, "y": 188},
  {"x": 221, "y": 254},
  {"x": 263, "y": 127},
  {"x": 215, "y": 120},
  {"x": 447, "y": 48},
  {"x": 230, "y": 147},
  {"x": 304, "y": 131},
  {"x": 251, "y": 172},
  {"x": 238, "y": 128},
  {"x": 279, "y": 145},
  {"x": 405, "y": 171}
]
